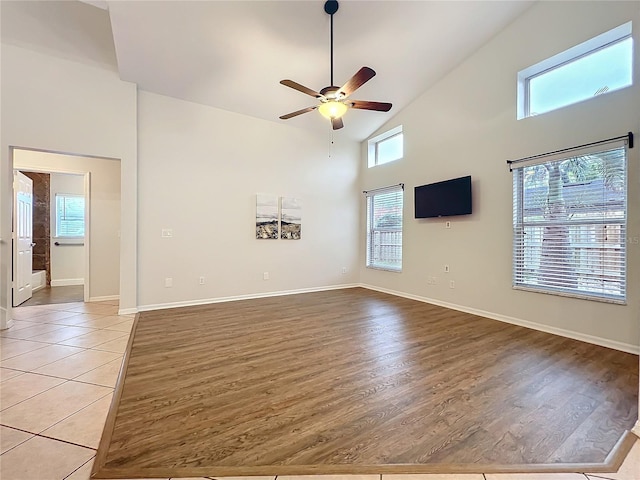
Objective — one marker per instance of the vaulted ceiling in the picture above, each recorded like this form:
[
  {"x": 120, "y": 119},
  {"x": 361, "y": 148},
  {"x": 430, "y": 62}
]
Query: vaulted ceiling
[{"x": 232, "y": 54}]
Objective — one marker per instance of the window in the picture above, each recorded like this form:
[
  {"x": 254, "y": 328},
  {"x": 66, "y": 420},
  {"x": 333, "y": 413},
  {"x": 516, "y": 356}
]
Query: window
[
  {"x": 386, "y": 147},
  {"x": 69, "y": 215},
  {"x": 384, "y": 228},
  {"x": 569, "y": 225},
  {"x": 597, "y": 66}
]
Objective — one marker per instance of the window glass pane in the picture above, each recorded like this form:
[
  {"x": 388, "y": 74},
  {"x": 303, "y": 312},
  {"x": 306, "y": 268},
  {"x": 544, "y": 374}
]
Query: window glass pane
[
  {"x": 570, "y": 226},
  {"x": 384, "y": 230},
  {"x": 604, "y": 70},
  {"x": 69, "y": 216},
  {"x": 386, "y": 147},
  {"x": 390, "y": 149}
]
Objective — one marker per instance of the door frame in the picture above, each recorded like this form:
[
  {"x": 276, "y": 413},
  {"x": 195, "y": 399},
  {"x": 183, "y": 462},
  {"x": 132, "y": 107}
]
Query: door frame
[{"x": 87, "y": 217}]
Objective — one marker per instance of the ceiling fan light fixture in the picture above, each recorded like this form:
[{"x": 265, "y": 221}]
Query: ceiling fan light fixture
[{"x": 332, "y": 109}]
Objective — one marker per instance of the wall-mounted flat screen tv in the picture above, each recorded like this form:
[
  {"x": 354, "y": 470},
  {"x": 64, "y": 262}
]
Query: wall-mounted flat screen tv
[{"x": 443, "y": 199}]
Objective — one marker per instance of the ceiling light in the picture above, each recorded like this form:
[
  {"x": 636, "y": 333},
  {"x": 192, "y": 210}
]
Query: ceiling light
[{"x": 332, "y": 109}]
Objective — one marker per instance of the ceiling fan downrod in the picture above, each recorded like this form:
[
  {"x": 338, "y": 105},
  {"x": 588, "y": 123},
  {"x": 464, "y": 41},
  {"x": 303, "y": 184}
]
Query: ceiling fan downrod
[{"x": 331, "y": 7}]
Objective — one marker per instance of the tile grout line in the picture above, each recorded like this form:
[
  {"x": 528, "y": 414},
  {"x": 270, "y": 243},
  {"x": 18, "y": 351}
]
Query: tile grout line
[
  {"x": 64, "y": 339},
  {"x": 45, "y": 436},
  {"x": 16, "y": 428},
  {"x": 62, "y": 419},
  {"x": 33, "y": 372},
  {"x": 44, "y": 365},
  {"x": 65, "y": 441},
  {"x": 46, "y": 344},
  {"x": 32, "y": 396},
  {"x": 90, "y": 460}
]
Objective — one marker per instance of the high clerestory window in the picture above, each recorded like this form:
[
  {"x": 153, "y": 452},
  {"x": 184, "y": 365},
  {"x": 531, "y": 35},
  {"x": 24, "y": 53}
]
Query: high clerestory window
[
  {"x": 598, "y": 66},
  {"x": 386, "y": 147}
]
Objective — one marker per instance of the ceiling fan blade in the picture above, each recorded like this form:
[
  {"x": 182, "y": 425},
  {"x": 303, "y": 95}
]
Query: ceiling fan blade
[
  {"x": 298, "y": 112},
  {"x": 360, "y": 78},
  {"x": 300, "y": 88},
  {"x": 336, "y": 123},
  {"x": 365, "y": 105}
]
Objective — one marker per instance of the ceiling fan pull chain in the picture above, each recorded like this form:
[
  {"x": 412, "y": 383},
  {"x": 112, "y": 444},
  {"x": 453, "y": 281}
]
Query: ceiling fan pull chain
[{"x": 330, "y": 143}]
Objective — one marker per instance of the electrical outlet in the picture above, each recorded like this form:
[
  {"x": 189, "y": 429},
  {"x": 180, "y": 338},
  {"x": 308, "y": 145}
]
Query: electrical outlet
[
  {"x": 446, "y": 269},
  {"x": 344, "y": 270},
  {"x": 452, "y": 284},
  {"x": 168, "y": 282},
  {"x": 167, "y": 233},
  {"x": 202, "y": 280},
  {"x": 447, "y": 224},
  {"x": 265, "y": 276}
]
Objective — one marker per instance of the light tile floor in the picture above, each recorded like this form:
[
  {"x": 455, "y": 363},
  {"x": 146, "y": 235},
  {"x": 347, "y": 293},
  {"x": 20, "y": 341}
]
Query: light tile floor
[{"x": 58, "y": 368}]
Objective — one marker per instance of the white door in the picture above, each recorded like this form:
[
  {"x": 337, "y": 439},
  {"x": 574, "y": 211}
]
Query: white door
[{"x": 22, "y": 237}]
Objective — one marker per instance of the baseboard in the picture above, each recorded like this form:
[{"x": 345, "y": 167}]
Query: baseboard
[
  {"x": 67, "y": 282},
  {"x": 127, "y": 311},
  {"x": 603, "y": 342},
  {"x": 104, "y": 298},
  {"x": 636, "y": 429},
  {"x": 193, "y": 303}
]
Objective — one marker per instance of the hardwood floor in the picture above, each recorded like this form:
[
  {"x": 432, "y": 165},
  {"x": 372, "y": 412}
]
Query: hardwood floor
[{"x": 356, "y": 381}]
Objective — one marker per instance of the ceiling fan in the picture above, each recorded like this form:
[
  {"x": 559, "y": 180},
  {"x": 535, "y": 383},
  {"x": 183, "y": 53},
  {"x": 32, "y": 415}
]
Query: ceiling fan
[{"x": 333, "y": 100}]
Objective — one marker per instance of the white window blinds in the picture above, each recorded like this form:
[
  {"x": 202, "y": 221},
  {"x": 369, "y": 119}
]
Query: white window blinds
[
  {"x": 69, "y": 216},
  {"x": 384, "y": 228},
  {"x": 570, "y": 224}
]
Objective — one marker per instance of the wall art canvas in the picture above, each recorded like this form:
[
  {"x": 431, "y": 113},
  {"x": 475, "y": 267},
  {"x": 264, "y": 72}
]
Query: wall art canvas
[
  {"x": 291, "y": 218},
  {"x": 266, "y": 217}
]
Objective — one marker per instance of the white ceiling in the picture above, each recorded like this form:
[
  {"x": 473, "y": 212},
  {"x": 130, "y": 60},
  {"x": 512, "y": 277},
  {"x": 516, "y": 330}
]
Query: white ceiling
[{"x": 232, "y": 54}]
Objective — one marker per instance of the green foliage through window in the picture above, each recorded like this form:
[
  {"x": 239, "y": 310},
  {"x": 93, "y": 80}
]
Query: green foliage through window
[{"x": 569, "y": 225}]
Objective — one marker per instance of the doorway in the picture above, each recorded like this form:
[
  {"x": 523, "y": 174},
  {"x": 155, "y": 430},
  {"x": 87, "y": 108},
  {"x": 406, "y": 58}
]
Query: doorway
[
  {"x": 58, "y": 238},
  {"x": 69, "y": 263}
]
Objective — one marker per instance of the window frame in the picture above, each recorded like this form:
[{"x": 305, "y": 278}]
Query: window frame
[
  {"x": 370, "y": 261},
  {"x": 584, "y": 49},
  {"x": 581, "y": 226},
  {"x": 373, "y": 159},
  {"x": 57, "y": 216}
]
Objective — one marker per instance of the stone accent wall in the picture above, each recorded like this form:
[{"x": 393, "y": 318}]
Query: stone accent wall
[{"x": 41, "y": 222}]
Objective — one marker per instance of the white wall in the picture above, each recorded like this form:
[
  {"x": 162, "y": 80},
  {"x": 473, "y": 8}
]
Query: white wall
[
  {"x": 67, "y": 261},
  {"x": 466, "y": 124},
  {"x": 104, "y": 201},
  {"x": 59, "y": 105},
  {"x": 200, "y": 169}
]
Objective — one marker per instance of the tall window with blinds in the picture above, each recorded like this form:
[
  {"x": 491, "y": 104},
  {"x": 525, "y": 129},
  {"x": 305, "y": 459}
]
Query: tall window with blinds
[
  {"x": 69, "y": 216},
  {"x": 384, "y": 228},
  {"x": 570, "y": 224}
]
